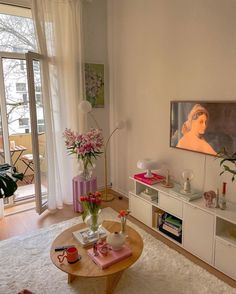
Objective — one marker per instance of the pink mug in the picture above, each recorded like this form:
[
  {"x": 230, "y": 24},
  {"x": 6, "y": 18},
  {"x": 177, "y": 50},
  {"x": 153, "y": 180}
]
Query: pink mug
[{"x": 71, "y": 254}]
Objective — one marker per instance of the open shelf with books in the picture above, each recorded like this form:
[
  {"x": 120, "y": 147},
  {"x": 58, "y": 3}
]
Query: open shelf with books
[{"x": 171, "y": 226}]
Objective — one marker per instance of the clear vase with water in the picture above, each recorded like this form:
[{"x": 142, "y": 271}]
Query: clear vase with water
[
  {"x": 94, "y": 222},
  {"x": 86, "y": 169}
]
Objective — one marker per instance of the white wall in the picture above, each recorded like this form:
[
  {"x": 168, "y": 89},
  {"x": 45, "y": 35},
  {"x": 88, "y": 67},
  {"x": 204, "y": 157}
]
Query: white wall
[
  {"x": 162, "y": 50},
  {"x": 95, "y": 51}
]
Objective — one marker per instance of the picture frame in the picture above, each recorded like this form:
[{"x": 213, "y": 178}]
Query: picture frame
[
  {"x": 218, "y": 128},
  {"x": 94, "y": 84}
]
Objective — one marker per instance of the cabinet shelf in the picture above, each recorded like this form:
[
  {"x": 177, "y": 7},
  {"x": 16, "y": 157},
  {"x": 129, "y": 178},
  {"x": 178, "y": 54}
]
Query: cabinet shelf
[
  {"x": 167, "y": 237},
  {"x": 226, "y": 231},
  {"x": 170, "y": 235}
]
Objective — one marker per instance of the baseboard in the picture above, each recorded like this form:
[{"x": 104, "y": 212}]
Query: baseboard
[
  {"x": 120, "y": 192},
  {"x": 115, "y": 190}
]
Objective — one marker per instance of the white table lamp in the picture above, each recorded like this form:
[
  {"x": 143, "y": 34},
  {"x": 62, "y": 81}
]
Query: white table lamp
[{"x": 148, "y": 165}]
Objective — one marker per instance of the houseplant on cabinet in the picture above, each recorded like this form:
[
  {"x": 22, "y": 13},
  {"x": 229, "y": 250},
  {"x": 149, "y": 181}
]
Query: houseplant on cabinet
[
  {"x": 8, "y": 178},
  {"x": 228, "y": 158}
]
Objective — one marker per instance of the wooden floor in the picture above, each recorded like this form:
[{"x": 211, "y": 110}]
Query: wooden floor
[{"x": 28, "y": 221}]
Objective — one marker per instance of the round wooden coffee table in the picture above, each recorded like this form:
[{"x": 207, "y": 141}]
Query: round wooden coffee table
[{"x": 86, "y": 267}]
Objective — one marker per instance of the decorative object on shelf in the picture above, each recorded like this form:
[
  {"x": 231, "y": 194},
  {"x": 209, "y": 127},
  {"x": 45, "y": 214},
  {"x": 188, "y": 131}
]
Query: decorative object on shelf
[
  {"x": 217, "y": 205},
  {"x": 123, "y": 214},
  {"x": 149, "y": 194},
  {"x": 116, "y": 240},
  {"x": 94, "y": 84},
  {"x": 187, "y": 176},
  {"x": 222, "y": 198},
  {"x": 86, "y": 147},
  {"x": 91, "y": 214},
  {"x": 150, "y": 181},
  {"x": 106, "y": 196},
  {"x": 167, "y": 183},
  {"x": 148, "y": 165},
  {"x": 209, "y": 198},
  {"x": 231, "y": 158}
]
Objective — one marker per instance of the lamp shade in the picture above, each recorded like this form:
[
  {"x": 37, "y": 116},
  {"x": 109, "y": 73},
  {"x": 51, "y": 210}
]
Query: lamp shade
[
  {"x": 120, "y": 125},
  {"x": 147, "y": 164},
  {"x": 85, "y": 106}
]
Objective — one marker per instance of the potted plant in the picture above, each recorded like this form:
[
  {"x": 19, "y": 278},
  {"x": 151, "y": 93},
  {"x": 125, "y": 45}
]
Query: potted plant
[
  {"x": 228, "y": 158},
  {"x": 8, "y": 178}
]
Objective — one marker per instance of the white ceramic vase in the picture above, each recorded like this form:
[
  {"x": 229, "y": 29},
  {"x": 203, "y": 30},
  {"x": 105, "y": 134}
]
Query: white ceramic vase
[{"x": 116, "y": 240}]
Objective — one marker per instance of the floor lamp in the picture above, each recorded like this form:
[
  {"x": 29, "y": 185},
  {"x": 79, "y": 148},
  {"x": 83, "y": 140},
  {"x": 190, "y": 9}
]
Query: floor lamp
[
  {"x": 106, "y": 196},
  {"x": 86, "y": 108}
]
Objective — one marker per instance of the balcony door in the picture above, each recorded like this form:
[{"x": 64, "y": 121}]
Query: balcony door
[{"x": 22, "y": 125}]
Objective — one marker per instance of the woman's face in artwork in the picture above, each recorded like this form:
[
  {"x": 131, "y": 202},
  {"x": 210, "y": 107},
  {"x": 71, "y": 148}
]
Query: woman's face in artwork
[{"x": 199, "y": 125}]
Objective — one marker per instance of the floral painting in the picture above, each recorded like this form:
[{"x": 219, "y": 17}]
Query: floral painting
[{"x": 94, "y": 84}]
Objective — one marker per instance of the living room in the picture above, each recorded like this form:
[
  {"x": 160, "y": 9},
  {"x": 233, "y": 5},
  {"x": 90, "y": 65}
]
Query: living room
[{"x": 153, "y": 52}]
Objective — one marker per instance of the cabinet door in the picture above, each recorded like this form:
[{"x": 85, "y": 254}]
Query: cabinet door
[
  {"x": 198, "y": 232},
  {"x": 225, "y": 258},
  {"x": 140, "y": 209}
]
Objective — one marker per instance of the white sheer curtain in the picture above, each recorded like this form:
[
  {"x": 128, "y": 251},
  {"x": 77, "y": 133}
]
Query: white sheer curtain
[{"x": 58, "y": 27}]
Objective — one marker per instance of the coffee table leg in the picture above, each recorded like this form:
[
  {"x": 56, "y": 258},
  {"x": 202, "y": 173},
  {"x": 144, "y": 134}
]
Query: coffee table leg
[
  {"x": 112, "y": 281},
  {"x": 71, "y": 278}
]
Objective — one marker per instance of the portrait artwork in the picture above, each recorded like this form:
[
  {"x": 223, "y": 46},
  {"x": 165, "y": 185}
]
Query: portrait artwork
[{"x": 202, "y": 126}]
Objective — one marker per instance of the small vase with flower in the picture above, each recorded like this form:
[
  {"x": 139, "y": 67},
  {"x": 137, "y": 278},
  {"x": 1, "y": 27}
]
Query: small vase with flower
[{"x": 123, "y": 214}]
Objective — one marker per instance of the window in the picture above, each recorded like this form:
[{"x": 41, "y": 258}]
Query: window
[
  {"x": 21, "y": 87},
  {"x": 24, "y": 122},
  {"x": 38, "y": 98},
  {"x": 41, "y": 126},
  {"x": 16, "y": 29},
  {"x": 38, "y": 88},
  {"x": 25, "y": 98}
]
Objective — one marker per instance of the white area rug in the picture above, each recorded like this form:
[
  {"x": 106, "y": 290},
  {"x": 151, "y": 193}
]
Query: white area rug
[{"x": 25, "y": 263}]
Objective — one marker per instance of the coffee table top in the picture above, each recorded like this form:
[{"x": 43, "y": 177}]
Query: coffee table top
[{"x": 86, "y": 267}]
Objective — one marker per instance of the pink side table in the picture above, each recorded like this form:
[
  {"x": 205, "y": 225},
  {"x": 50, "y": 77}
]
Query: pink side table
[{"x": 82, "y": 187}]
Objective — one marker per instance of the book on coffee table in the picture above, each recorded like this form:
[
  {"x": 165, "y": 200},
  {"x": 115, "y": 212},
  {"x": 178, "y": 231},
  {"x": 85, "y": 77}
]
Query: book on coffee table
[
  {"x": 104, "y": 261},
  {"x": 85, "y": 237}
]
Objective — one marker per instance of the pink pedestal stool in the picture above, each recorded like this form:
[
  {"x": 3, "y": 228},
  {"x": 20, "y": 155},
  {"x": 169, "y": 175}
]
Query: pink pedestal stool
[{"x": 82, "y": 187}]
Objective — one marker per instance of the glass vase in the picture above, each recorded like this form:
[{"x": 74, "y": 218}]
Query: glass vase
[
  {"x": 123, "y": 225},
  {"x": 86, "y": 170},
  {"x": 94, "y": 222}
]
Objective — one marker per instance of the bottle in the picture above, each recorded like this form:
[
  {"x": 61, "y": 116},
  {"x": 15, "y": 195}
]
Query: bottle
[
  {"x": 222, "y": 200},
  {"x": 217, "y": 199}
]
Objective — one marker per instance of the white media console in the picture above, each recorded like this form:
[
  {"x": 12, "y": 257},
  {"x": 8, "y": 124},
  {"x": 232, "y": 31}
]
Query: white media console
[{"x": 208, "y": 233}]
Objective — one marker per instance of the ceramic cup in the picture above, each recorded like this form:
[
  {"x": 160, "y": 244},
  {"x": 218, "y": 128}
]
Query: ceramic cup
[{"x": 71, "y": 254}]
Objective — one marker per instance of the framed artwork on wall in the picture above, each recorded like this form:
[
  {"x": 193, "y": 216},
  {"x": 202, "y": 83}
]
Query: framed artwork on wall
[
  {"x": 94, "y": 84},
  {"x": 203, "y": 126}
]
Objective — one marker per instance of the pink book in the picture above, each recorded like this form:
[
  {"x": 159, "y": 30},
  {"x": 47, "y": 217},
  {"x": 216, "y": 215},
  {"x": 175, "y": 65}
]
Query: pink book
[
  {"x": 112, "y": 257},
  {"x": 155, "y": 178}
]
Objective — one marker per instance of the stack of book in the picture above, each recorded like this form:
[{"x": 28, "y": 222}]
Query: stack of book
[
  {"x": 171, "y": 225},
  {"x": 85, "y": 237},
  {"x": 150, "y": 181},
  {"x": 104, "y": 261},
  {"x": 150, "y": 195}
]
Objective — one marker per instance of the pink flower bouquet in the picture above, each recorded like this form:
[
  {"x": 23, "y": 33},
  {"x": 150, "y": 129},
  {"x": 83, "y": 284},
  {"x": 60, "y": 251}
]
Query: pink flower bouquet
[{"x": 86, "y": 146}]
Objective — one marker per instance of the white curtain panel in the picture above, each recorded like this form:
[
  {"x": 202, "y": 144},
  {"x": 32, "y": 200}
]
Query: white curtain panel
[{"x": 58, "y": 27}]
